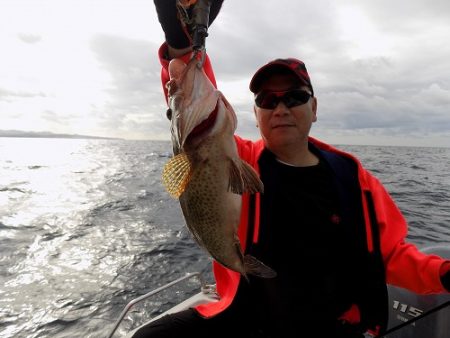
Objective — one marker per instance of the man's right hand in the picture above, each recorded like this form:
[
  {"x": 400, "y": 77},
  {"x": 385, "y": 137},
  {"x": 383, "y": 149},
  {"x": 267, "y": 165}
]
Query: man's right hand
[{"x": 178, "y": 39}]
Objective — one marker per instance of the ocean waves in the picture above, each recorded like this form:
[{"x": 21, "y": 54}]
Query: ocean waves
[{"x": 86, "y": 226}]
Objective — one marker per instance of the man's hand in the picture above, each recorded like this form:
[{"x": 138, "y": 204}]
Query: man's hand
[
  {"x": 171, "y": 25},
  {"x": 176, "y": 35}
]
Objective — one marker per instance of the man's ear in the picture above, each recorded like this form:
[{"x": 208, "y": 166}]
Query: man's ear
[
  {"x": 314, "y": 108},
  {"x": 256, "y": 116}
]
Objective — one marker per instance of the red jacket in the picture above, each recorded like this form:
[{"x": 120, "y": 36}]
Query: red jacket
[{"x": 405, "y": 265}]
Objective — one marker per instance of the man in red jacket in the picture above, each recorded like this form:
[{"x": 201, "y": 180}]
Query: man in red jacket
[{"x": 324, "y": 223}]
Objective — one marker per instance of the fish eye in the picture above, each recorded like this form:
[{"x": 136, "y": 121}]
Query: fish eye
[{"x": 169, "y": 114}]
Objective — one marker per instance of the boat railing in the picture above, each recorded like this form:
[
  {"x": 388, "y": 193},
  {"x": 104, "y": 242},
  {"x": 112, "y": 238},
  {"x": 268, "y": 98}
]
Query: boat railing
[{"x": 205, "y": 288}]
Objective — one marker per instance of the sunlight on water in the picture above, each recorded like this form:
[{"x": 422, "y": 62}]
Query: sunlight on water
[
  {"x": 81, "y": 222},
  {"x": 45, "y": 179},
  {"x": 47, "y": 190},
  {"x": 42, "y": 152}
]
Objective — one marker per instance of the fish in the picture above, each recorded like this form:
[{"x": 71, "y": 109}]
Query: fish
[{"x": 205, "y": 173}]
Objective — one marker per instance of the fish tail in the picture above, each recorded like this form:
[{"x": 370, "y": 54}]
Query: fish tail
[{"x": 256, "y": 268}]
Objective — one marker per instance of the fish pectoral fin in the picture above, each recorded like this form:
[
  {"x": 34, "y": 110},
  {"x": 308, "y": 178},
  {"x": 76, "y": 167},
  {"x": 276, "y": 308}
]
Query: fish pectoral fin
[
  {"x": 177, "y": 174},
  {"x": 243, "y": 178},
  {"x": 257, "y": 268}
]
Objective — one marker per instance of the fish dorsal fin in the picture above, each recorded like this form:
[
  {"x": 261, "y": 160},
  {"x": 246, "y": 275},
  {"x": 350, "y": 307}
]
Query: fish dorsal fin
[
  {"x": 243, "y": 178},
  {"x": 176, "y": 174},
  {"x": 256, "y": 268}
]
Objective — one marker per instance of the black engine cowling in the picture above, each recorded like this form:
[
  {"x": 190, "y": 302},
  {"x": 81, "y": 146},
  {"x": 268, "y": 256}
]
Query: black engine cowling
[{"x": 406, "y": 306}]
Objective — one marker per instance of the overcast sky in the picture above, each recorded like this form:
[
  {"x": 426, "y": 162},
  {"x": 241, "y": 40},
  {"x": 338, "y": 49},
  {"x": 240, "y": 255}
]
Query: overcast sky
[{"x": 380, "y": 69}]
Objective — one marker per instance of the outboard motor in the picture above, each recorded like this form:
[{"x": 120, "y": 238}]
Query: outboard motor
[{"x": 407, "y": 306}]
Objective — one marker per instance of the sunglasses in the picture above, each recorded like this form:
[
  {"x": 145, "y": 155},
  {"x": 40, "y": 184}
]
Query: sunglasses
[{"x": 290, "y": 98}]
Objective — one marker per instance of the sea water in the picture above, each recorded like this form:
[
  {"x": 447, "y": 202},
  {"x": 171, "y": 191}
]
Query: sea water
[{"x": 86, "y": 226}]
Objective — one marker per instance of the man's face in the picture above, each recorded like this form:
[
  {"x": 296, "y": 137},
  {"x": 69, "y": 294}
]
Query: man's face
[{"x": 282, "y": 126}]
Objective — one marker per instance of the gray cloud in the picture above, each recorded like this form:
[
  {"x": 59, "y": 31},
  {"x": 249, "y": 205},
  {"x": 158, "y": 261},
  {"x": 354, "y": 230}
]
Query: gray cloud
[
  {"x": 56, "y": 118},
  {"x": 137, "y": 101},
  {"x": 9, "y": 95},
  {"x": 242, "y": 39},
  {"x": 29, "y": 38},
  {"x": 403, "y": 15},
  {"x": 404, "y": 91},
  {"x": 401, "y": 88}
]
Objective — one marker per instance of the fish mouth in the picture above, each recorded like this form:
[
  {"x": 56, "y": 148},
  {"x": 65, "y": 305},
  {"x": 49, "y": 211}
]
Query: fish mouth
[{"x": 206, "y": 125}]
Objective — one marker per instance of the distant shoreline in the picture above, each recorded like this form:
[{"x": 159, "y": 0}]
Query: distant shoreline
[
  {"x": 44, "y": 134},
  {"x": 32, "y": 134}
]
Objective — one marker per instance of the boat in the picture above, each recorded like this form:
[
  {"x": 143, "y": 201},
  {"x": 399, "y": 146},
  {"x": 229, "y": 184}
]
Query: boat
[
  {"x": 132, "y": 318},
  {"x": 410, "y": 315},
  {"x": 419, "y": 316}
]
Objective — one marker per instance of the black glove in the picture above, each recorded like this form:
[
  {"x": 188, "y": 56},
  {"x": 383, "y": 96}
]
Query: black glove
[
  {"x": 173, "y": 29},
  {"x": 445, "y": 280}
]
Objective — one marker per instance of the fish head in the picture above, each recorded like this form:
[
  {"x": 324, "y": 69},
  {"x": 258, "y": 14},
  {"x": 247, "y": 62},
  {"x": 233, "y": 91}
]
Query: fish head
[{"x": 198, "y": 109}]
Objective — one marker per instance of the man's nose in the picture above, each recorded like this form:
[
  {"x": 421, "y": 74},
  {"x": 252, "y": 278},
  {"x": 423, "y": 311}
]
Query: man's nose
[{"x": 281, "y": 109}]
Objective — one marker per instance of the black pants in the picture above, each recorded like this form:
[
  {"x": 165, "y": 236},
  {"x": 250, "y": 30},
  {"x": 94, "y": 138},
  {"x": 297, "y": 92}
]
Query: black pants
[{"x": 188, "y": 323}]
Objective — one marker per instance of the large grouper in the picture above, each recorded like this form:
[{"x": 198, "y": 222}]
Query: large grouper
[{"x": 206, "y": 173}]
